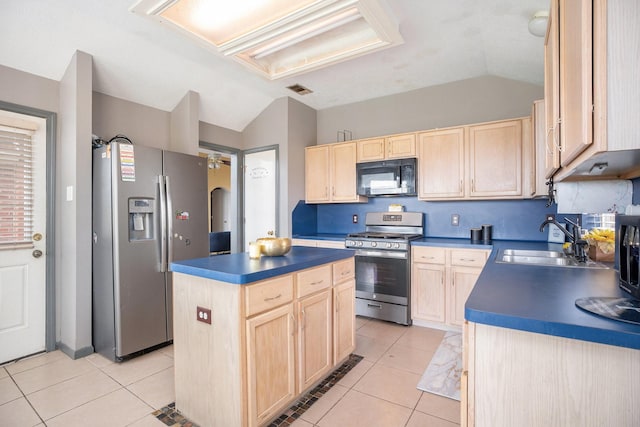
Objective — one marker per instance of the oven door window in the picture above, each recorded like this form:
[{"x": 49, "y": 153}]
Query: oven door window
[{"x": 377, "y": 275}]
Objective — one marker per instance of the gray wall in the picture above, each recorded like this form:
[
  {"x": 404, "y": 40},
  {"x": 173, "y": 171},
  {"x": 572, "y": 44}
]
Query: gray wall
[
  {"x": 220, "y": 136},
  {"x": 185, "y": 125},
  {"x": 143, "y": 125},
  {"x": 292, "y": 126},
  {"x": 270, "y": 128},
  {"x": 474, "y": 100},
  {"x": 28, "y": 90},
  {"x": 302, "y": 131},
  {"x": 73, "y": 217}
]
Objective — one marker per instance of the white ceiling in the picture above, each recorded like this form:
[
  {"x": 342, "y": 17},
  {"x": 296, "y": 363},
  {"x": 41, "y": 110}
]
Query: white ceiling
[{"x": 143, "y": 61}]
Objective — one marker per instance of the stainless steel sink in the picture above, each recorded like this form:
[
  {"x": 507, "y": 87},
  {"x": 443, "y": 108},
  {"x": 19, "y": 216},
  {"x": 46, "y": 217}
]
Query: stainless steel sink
[
  {"x": 540, "y": 260},
  {"x": 531, "y": 253},
  {"x": 543, "y": 258}
]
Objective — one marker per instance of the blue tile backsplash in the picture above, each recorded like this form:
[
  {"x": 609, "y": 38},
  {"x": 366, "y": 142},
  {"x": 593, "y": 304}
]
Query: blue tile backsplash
[{"x": 511, "y": 219}]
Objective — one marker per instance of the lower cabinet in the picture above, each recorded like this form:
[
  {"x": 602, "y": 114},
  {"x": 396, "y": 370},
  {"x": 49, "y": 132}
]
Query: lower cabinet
[
  {"x": 527, "y": 379},
  {"x": 441, "y": 281},
  {"x": 264, "y": 344},
  {"x": 270, "y": 362},
  {"x": 344, "y": 318}
]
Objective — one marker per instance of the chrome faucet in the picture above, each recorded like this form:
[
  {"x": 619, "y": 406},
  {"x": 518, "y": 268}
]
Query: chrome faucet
[{"x": 578, "y": 244}]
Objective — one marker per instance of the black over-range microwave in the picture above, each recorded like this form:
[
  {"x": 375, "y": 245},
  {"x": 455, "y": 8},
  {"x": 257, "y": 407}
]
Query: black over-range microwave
[{"x": 387, "y": 178}]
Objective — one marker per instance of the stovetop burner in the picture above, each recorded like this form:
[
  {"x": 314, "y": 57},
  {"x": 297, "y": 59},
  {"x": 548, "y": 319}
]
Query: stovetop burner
[{"x": 384, "y": 235}]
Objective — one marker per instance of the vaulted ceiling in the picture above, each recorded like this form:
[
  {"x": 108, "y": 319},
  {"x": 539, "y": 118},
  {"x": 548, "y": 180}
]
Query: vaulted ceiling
[{"x": 140, "y": 60}]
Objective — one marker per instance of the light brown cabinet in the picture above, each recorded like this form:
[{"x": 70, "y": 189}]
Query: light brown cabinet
[
  {"x": 391, "y": 147},
  {"x": 551, "y": 381},
  {"x": 552, "y": 92},
  {"x": 344, "y": 315},
  {"x": 270, "y": 363},
  {"x": 483, "y": 161},
  {"x": 314, "y": 338},
  {"x": 535, "y": 185},
  {"x": 591, "y": 89},
  {"x": 330, "y": 174},
  {"x": 441, "y": 155},
  {"x": 268, "y": 342},
  {"x": 495, "y": 159},
  {"x": 441, "y": 281}
]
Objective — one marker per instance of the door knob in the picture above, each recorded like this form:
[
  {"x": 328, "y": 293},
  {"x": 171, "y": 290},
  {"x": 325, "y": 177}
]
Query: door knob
[
  {"x": 37, "y": 253},
  {"x": 37, "y": 237}
]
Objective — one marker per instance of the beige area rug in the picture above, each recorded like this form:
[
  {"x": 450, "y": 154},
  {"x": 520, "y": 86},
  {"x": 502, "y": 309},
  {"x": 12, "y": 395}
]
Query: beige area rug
[{"x": 442, "y": 376}]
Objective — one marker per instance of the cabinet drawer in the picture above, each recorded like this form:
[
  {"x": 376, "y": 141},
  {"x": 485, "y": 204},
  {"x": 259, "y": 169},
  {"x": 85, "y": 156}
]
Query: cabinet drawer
[
  {"x": 343, "y": 270},
  {"x": 429, "y": 255},
  {"x": 313, "y": 280},
  {"x": 268, "y": 294},
  {"x": 469, "y": 258}
]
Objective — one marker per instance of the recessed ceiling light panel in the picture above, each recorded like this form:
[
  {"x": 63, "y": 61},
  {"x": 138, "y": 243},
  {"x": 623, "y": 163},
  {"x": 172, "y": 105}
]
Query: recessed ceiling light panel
[{"x": 280, "y": 38}]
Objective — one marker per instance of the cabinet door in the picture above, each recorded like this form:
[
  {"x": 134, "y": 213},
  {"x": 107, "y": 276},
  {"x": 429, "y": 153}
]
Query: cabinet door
[
  {"x": 576, "y": 78},
  {"x": 314, "y": 338},
  {"x": 539, "y": 187},
  {"x": 370, "y": 150},
  {"x": 270, "y": 363},
  {"x": 401, "y": 146},
  {"x": 495, "y": 159},
  {"x": 343, "y": 172},
  {"x": 316, "y": 174},
  {"x": 463, "y": 279},
  {"x": 344, "y": 320},
  {"x": 441, "y": 164},
  {"x": 552, "y": 93},
  {"x": 428, "y": 292}
]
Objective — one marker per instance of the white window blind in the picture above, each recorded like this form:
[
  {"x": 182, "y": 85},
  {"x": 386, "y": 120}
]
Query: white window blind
[{"x": 16, "y": 187}]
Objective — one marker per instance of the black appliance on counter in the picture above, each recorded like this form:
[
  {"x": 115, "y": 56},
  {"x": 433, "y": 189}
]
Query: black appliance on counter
[
  {"x": 387, "y": 178},
  {"x": 628, "y": 253},
  {"x": 383, "y": 264}
]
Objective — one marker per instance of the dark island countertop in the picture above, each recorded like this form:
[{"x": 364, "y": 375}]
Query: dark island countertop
[
  {"x": 542, "y": 299},
  {"x": 240, "y": 269}
]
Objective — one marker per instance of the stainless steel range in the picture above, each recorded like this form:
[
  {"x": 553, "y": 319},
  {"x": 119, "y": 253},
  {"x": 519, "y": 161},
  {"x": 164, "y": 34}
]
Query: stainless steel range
[{"x": 383, "y": 264}]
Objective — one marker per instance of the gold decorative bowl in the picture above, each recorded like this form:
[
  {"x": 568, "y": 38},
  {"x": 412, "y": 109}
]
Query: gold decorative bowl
[{"x": 274, "y": 246}]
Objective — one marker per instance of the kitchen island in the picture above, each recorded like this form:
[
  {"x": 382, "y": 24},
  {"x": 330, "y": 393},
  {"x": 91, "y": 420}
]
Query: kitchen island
[
  {"x": 533, "y": 358},
  {"x": 250, "y": 336}
]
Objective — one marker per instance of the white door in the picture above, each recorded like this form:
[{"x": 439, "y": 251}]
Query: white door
[
  {"x": 260, "y": 195},
  {"x": 22, "y": 235}
]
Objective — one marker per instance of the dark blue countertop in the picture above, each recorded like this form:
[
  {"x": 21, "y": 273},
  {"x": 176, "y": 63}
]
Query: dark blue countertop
[
  {"x": 322, "y": 236},
  {"x": 542, "y": 299},
  {"x": 240, "y": 269},
  {"x": 450, "y": 243}
]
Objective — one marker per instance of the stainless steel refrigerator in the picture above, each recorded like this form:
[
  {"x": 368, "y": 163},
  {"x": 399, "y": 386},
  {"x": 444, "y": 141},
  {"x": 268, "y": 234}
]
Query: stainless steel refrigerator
[{"x": 149, "y": 208}]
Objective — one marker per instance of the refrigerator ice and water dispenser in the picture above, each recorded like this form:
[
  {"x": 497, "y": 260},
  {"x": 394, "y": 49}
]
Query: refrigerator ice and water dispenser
[{"x": 141, "y": 218}]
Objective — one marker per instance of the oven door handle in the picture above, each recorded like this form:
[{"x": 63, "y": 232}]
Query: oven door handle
[{"x": 381, "y": 254}]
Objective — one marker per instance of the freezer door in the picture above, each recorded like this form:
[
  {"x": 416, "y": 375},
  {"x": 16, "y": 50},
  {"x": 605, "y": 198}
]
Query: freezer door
[
  {"x": 186, "y": 182},
  {"x": 187, "y": 199},
  {"x": 139, "y": 285}
]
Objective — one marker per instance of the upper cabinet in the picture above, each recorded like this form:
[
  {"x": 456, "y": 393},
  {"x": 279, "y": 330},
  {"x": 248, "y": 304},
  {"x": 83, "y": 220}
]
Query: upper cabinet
[
  {"x": 482, "y": 161},
  {"x": 537, "y": 150},
  {"x": 551, "y": 93},
  {"x": 392, "y": 147},
  {"x": 441, "y": 164},
  {"x": 330, "y": 174},
  {"x": 591, "y": 89},
  {"x": 576, "y": 78},
  {"x": 495, "y": 159}
]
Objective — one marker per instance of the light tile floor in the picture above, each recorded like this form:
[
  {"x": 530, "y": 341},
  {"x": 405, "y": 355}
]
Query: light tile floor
[{"x": 53, "y": 390}]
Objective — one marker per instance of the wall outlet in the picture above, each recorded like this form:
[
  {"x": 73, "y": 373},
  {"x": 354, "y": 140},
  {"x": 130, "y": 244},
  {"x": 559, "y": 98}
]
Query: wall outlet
[
  {"x": 203, "y": 314},
  {"x": 455, "y": 219},
  {"x": 355, "y": 218}
]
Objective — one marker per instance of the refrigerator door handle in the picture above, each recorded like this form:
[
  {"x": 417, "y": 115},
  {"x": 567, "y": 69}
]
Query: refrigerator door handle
[
  {"x": 169, "y": 223},
  {"x": 163, "y": 224}
]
